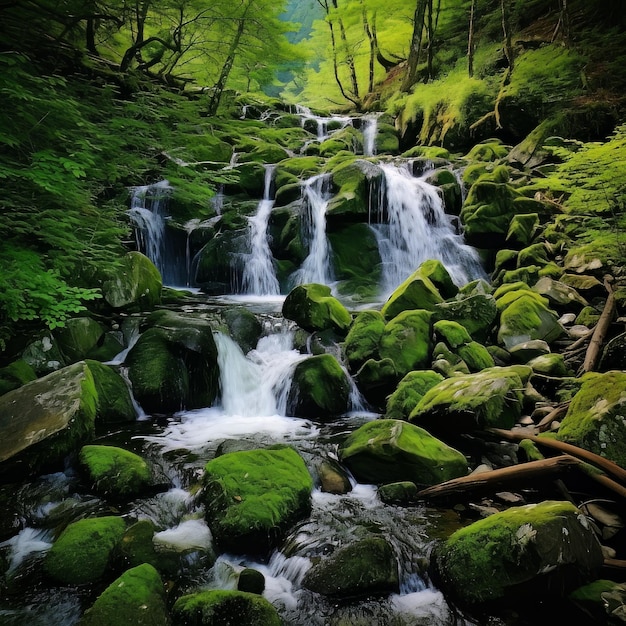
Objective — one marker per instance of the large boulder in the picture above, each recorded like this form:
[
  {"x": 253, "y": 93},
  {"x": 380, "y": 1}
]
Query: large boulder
[
  {"x": 409, "y": 392},
  {"x": 476, "y": 312},
  {"x": 387, "y": 451},
  {"x": 173, "y": 365},
  {"x": 313, "y": 308},
  {"x": 365, "y": 567},
  {"x": 135, "y": 286},
  {"x": 595, "y": 417},
  {"x": 114, "y": 472},
  {"x": 79, "y": 337},
  {"x": 114, "y": 402},
  {"x": 521, "y": 555},
  {"x": 15, "y": 374},
  {"x": 84, "y": 551},
  {"x": 491, "y": 398},
  {"x": 253, "y": 496},
  {"x": 218, "y": 270},
  {"x": 47, "y": 419},
  {"x": 136, "y": 597},
  {"x": 351, "y": 180},
  {"x": 363, "y": 338},
  {"x": 223, "y": 607},
  {"x": 319, "y": 388}
]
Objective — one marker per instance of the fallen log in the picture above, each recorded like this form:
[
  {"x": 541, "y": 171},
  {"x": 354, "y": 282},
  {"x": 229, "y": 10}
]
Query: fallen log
[
  {"x": 497, "y": 478},
  {"x": 602, "y": 327},
  {"x": 566, "y": 448}
]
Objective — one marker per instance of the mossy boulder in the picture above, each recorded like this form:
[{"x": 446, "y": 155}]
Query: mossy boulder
[
  {"x": 351, "y": 181},
  {"x": 85, "y": 550},
  {"x": 79, "y": 337},
  {"x": 363, "y": 338},
  {"x": 420, "y": 290},
  {"x": 243, "y": 327},
  {"x": 224, "y": 607},
  {"x": 488, "y": 150},
  {"x": 114, "y": 472},
  {"x": 475, "y": 312},
  {"x": 602, "y": 600},
  {"x": 406, "y": 341},
  {"x": 453, "y": 333},
  {"x": 376, "y": 379},
  {"x": 355, "y": 254},
  {"x": 136, "y": 597},
  {"x": 15, "y": 374},
  {"x": 549, "y": 365},
  {"x": 529, "y": 552},
  {"x": 409, "y": 392},
  {"x": 387, "y": 450},
  {"x": 319, "y": 388},
  {"x": 365, "y": 567},
  {"x": 114, "y": 403},
  {"x": 313, "y": 308},
  {"x": 559, "y": 294},
  {"x": 252, "y": 497},
  {"x": 522, "y": 229},
  {"x": 45, "y": 420},
  {"x": 595, "y": 417},
  {"x": 217, "y": 270},
  {"x": 525, "y": 315},
  {"x": 490, "y": 398},
  {"x": 403, "y": 493},
  {"x": 136, "y": 285},
  {"x": 173, "y": 365}
]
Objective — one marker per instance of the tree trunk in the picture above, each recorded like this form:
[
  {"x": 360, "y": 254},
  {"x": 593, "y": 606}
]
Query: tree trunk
[
  {"x": 416, "y": 45},
  {"x": 506, "y": 31},
  {"x": 370, "y": 32},
  {"x": 601, "y": 329},
  {"x": 470, "y": 40},
  {"x": 349, "y": 58}
]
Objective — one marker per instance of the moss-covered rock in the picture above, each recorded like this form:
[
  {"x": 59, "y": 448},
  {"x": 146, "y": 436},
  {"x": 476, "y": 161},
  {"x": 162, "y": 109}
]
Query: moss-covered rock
[
  {"x": 387, "y": 450},
  {"x": 44, "y": 355},
  {"x": 418, "y": 291},
  {"x": 173, "y": 365},
  {"x": 217, "y": 269},
  {"x": 559, "y": 294},
  {"x": 409, "y": 392},
  {"x": 15, "y": 374},
  {"x": 114, "y": 472},
  {"x": 253, "y": 496},
  {"x": 135, "y": 286},
  {"x": 351, "y": 179},
  {"x": 406, "y": 341},
  {"x": 529, "y": 551},
  {"x": 114, "y": 403},
  {"x": 251, "y": 580},
  {"x": 136, "y": 597},
  {"x": 602, "y": 600},
  {"x": 313, "y": 308},
  {"x": 522, "y": 230},
  {"x": 221, "y": 608},
  {"x": 363, "y": 338},
  {"x": 549, "y": 365},
  {"x": 47, "y": 419},
  {"x": 525, "y": 315},
  {"x": 319, "y": 388},
  {"x": 490, "y": 398},
  {"x": 476, "y": 312},
  {"x": 365, "y": 567},
  {"x": 84, "y": 551},
  {"x": 488, "y": 150},
  {"x": 244, "y": 327},
  {"x": 475, "y": 356},
  {"x": 355, "y": 254},
  {"x": 376, "y": 379},
  {"x": 79, "y": 337},
  {"x": 595, "y": 417},
  {"x": 453, "y": 333},
  {"x": 403, "y": 493}
]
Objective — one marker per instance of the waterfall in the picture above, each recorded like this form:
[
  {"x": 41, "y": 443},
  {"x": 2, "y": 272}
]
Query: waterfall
[
  {"x": 316, "y": 267},
  {"x": 370, "y": 130},
  {"x": 413, "y": 227},
  {"x": 259, "y": 277},
  {"x": 323, "y": 124}
]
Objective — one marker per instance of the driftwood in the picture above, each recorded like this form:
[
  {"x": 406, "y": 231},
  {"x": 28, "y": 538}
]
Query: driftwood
[
  {"x": 498, "y": 478},
  {"x": 601, "y": 329},
  {"x": 554, "y": 414},
  {"x": 567, "y": 448}
]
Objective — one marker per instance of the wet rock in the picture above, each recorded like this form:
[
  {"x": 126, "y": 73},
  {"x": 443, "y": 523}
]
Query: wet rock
[
  {"x": 114, "y": 403},
  {"x": 363, "y": 338},
  {"x": 402, "y": 493},
  {"x": 409, "y": 392},
  {"x": 313, "y": 308},
  {"x": 83, "y": 552},
  {"x": 603, "y": 601},
  {"x": 530, "y": 551},
  {"x": 476, "y": 312},
  {"x": 220, "y": 608},
  {"x": 319, "y": 388},
  {"x": 595, "y": 417},
  {"x": 135, "y": 286},
  {"x": 252, "y": 497},
  {"x": 15, "y": 375},
  {"x": 387, "y": 451},
  {"x": 244, "y": 328},
  {"x": 614, "y": 354},
  {"x": 559, "y": 294},
  {"x": 522, "y": 229},
  {"x": 528, "y": 350},
  {"x": 549, "y": 365},
  {"x": 47, "y": 419},
  {"x": 44, "y": 355},
  {"x": 79, "y": 337},
  {"x": 136, "y": 597},
  {"x": 251, "y": 580},
  {"x": 333, "y": 477},
  {"x": 364, "y": 567}
]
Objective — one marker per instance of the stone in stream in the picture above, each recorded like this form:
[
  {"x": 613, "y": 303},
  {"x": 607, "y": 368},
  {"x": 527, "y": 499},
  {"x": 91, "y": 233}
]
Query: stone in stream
[
  {"x": 521, "y": 555},
  {"x": 253, "y": 497},
  {"x": 409, "y": 392},
  {"x": 114, "y": 403}
]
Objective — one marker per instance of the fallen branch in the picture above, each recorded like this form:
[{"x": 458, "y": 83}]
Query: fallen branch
[
  {"x": 495, "y": 479},
  {"x": 555, "y": 414},
  {"x": 566, "y": 448},
  {"x": 602, "y": 328}
]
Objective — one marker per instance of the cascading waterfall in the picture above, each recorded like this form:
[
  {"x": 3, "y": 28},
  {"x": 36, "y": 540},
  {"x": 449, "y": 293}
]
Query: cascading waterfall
[
  {"x": 316, "y": 267},
  {"x": 369, "y": 130},
  {"x": 413, "y": 227},
  {"x": 323, "y": 123},
  {"x": 259, "y": 277}
]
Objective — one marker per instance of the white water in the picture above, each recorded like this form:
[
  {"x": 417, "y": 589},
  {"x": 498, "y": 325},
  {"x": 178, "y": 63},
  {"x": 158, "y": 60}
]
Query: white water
[
  {"x": 370, "y": 131},
  {"x": 417, "y": 229},
  {"x": 259, "y": 277},
  {"x": 322, "y": 123},
  {"x": 316, "y": 267}
]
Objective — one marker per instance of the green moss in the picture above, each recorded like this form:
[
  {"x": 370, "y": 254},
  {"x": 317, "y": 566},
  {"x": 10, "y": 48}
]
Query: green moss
[
  {"x": 409, "y": 392},
  {"x": 114, "y": 471},
  {"x": 530, "y": 450},
  {"x": 428, "y": 152},
  {"x": 78, "y": 337},
  {"x": 135, "y": 286},
  {"x": 220, "y": 608},
  {"x": 418, "y": 291},
  {"x": 403, "y": 493},
  {"x": 363, "y": 338},
  {"x": 489, "y": 150},
  {"x": 114, "y": 403},
  {"x": 386, "y": 450},
  {"x": 522, "y": 229},
  {"x": 136, "y": 597},
  {"x": 15, "y": 375},
  {"x": 355, "y": 254},
  {"x": 313, "y": 308},
  {"x": 84, "y": 550},
  {"x": 253, "y": 496},
  {"x": 475, "y": 356},
  {"x": 476, "y": 312},
  {"x": 452, "y": 333}
]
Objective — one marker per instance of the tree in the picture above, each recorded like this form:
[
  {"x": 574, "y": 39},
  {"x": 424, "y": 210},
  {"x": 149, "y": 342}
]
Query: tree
[{"x": 416, "y": 45}]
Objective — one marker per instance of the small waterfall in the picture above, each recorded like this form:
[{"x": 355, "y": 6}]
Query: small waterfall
[
  {"x": 259, "y": 277},
  {"x": 413, "y": 227},
  {"x": 370, "y": 130},
  {"x": 316, "y": 267},
  {"x": 324, "y": 125}
]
